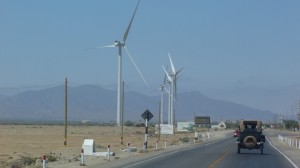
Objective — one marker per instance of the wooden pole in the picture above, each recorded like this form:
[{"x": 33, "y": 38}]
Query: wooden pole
[
  {"x": 159, "y": 122},
  {"x": 122, "y": 115},
  {"x": 66, "y": 111}
]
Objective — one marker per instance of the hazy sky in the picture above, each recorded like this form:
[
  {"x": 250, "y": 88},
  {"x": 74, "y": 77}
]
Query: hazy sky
[{"x": 242, "y": 51}]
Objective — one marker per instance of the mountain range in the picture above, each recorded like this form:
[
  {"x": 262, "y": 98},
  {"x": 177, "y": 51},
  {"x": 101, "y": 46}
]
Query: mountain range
[{"x": 94, "y": 103}]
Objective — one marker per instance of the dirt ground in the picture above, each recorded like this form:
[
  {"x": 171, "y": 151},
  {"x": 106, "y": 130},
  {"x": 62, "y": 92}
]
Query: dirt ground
[{"x": 22, "y": 145}]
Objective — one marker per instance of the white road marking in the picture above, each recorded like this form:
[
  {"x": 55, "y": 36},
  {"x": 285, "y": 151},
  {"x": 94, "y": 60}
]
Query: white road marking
[{"x": 295, "y": 166}]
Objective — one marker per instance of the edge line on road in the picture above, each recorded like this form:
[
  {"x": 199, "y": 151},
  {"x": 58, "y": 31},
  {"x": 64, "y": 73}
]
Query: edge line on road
[{"x": 295, "y": 166}]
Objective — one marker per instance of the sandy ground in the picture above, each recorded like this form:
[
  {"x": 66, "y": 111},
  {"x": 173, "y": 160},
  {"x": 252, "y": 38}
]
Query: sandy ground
[{"x": 25, "y": 144}]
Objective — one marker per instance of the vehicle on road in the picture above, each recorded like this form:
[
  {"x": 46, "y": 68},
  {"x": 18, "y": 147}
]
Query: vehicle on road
[
  {"x": 251, "y": 136},
  {"x": 236, "y": 133}
]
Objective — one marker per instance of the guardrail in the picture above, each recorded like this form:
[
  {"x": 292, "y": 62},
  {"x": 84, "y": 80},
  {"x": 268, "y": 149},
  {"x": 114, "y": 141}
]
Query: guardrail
[{"x": 291, "y": 141}]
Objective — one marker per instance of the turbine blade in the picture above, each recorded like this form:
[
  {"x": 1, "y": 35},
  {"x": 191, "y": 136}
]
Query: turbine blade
[
  {"x": 177, "y": 77},
  {"x": 136, "y": 67},
  {"x": 100, "y": 47},
  {"x": 167, "y": 91},
  {"x": 108, "y": 46},
  {"x": 165, "y": 78},
  {"x": 128, "y": 28},
  {"x": 172, "y": 65},
  {"x": 179, "y": 71},
  {"x": 169, "y": 79}
]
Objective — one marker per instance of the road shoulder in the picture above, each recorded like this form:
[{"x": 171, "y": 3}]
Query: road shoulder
[{"x": 291, "y": 152}]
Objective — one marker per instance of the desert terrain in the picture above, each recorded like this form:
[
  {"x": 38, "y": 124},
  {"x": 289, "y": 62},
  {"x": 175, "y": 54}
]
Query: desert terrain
[{"x": 24, "y": 145}]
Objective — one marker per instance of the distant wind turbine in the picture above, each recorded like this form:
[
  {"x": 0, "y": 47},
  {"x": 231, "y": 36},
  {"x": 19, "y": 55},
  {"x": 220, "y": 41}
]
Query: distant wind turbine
[
  {"x": 172, "y": 78},
  {"x": 169, "y": 81},
  {"x": 162, "y": 88},
  {"x": 121, "y": 45},
  {"x": 174, "y": 74}
]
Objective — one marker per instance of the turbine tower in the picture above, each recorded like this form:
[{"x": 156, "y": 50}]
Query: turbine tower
[
  {"x": 121, "y": 45},
  {"x": 162, "y": 89}
]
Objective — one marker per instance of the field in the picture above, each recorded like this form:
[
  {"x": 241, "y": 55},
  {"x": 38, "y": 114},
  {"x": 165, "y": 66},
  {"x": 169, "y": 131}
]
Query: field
[{"x": 25, "y": 144}]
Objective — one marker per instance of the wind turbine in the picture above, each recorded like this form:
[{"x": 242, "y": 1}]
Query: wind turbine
[
  {"x": 162, "y": 88},
  {"x": 121, "y": 45},
  {"x": 174, "y": 74},
  {"x": 172, "y": 78},
  {"x": 169, "y": 81}
]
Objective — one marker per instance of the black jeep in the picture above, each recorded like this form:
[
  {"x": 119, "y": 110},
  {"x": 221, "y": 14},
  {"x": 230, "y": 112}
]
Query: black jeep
[{"x": 251, "y": 136}]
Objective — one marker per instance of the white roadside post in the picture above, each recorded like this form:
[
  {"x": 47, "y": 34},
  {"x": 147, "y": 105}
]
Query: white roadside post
[
  {"x": 44, "y": 161},
  {"x": 165, "y": 142},
  {"x": 108, "y": 152},
  {"x": 128, "y": 148},
  {"x": 82, "y": 158}
]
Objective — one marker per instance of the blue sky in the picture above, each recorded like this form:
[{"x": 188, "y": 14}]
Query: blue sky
[{"x": 241, "y": 51}]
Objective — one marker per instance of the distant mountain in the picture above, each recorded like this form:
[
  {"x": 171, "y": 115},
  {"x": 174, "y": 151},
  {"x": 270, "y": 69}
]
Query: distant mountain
[
  {"x": 218, "y": 109},
  {"x": 94, "y": 103}
]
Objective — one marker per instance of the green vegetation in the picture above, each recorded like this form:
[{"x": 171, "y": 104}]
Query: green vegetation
[{"x": 290, "y": 124}]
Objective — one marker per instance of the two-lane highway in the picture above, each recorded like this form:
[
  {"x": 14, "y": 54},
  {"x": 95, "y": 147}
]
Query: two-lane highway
[{"x": 215, "y": 155}]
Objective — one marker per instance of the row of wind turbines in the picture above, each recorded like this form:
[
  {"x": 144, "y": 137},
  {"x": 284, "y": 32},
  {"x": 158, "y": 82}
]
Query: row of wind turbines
[{"x": 170, "y": 78}]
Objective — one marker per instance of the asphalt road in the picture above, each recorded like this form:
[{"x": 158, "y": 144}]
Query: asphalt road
[{"x": 220, "y": 154}]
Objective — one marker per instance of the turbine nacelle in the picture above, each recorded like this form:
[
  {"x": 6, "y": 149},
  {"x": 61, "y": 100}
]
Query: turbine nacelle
[{"x": 119, "y": 44}]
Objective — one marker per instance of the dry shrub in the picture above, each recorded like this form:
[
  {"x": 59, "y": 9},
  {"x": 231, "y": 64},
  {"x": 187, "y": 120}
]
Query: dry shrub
[
  {"x": 51, "y": 158},
  {"x": 23, "y": 161}
]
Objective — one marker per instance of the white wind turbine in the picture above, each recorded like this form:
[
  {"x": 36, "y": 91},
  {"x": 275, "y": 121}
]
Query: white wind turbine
[
  {"x": 162, "y": 88},
  {"x": 174, "y": 75},
  {"x": 121, "y": 45},
  {"x": 172, "y": 78},
  {"x": 169, "y": 81}
]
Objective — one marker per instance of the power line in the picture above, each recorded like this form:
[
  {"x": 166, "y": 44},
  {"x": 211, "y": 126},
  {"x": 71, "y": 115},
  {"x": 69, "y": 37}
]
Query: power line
[{"x": 31, "y": 87}]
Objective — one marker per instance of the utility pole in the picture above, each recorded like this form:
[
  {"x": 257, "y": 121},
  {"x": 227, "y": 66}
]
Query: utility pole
[
  {"x": 159, "y": 118},
  {"x": 292, "y": 108},
  {"x": 66, "y": 111},
  {"x": 161, "y": 104},
  {"x": 122, "y": 115},
  {"x": 299, "y": 116}
]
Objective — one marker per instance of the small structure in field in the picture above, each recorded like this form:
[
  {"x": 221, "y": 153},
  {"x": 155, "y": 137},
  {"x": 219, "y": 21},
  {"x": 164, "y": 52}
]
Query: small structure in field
[{"x": 88, "y": 146}]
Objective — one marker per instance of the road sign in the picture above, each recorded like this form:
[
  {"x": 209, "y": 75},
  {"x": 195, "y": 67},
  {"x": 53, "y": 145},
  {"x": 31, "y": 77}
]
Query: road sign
[
  {"x": 147, "y": 115},
  {"x": 202, "y": 120}
]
